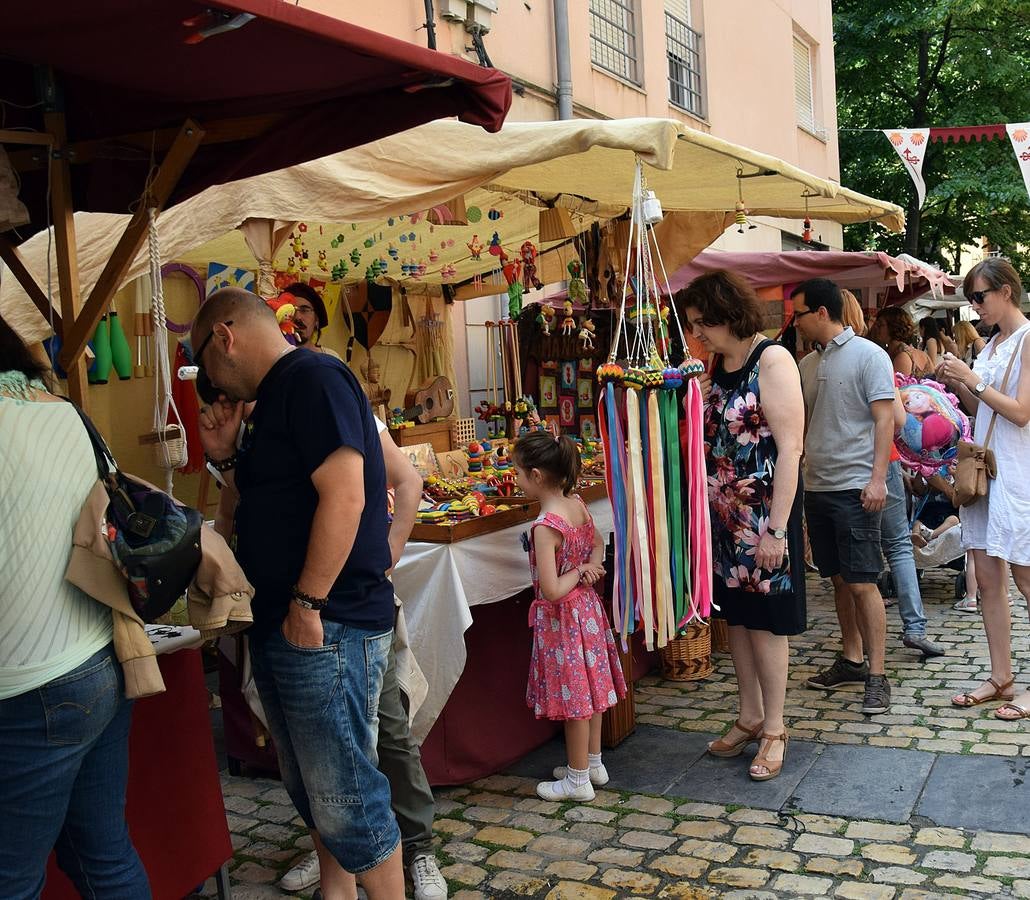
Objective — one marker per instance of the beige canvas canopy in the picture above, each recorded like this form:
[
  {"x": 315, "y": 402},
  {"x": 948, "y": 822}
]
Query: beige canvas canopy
[{"x": 585, "y": 165}]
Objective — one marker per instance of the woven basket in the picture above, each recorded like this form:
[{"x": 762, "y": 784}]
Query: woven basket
[
  {"x": 720, "y": 636},
  {"x": 689, "y": 656}
]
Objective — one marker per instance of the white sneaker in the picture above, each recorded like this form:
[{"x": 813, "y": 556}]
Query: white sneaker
[
  {"x": 425, "y": 876},
  {"x": 564, "y": 790},
  {"x": 303, "y": 875},
  {"x": 598, "y": 774}
]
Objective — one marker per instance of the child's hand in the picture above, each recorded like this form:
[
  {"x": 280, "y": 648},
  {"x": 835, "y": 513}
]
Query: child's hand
[{"x": 592, "y": 573}]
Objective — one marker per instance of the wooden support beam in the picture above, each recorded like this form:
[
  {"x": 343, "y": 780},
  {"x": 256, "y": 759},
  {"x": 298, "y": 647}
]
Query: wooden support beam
[
  {"x": 10, "y": 255},
  {"x": 164, "y": 182},
  {"x": 67, "y": 253},
  {"x": 9, "y": 136}
]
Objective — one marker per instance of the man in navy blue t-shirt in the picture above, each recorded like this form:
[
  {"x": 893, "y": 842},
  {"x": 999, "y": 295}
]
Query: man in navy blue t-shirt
[{"x": 312, "y": 538}]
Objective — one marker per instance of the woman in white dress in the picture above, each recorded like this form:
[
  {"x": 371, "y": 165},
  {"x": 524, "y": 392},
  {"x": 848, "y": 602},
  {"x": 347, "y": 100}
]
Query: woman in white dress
[{"x": 997, "y": 527}]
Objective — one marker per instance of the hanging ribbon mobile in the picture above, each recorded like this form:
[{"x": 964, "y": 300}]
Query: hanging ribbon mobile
[{"x": 654, "y": 463}]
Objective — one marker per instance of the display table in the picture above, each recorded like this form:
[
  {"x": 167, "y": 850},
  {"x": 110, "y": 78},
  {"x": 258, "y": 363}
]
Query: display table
[{"x": 174, "y": 802}]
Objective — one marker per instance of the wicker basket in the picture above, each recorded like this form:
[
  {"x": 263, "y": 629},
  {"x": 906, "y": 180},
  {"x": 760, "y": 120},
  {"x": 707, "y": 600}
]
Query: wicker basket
[
  {"x": 689, "y": 656},
  {"x": 720, "y": 636}
]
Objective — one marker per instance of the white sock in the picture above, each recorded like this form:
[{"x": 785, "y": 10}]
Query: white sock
[
  {"x": 577, "y": 777},
  {"x": 593, "y": 760}
]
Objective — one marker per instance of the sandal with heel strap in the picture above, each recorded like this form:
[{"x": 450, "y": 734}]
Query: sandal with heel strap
[
  {"x": 725, "y": 750},
  {"x": 1001, "y": 692},
  {"x": 772, "y": 766}
]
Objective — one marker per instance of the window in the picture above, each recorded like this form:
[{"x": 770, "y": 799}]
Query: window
[
  {"x": 613, "y": 37},
  {"x": 683, "y": 51},
  {"x": 804, "y": 94}
]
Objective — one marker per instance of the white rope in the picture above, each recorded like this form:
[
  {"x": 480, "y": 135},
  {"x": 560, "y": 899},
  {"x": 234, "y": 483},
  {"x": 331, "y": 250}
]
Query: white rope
[{"x": 171, "y": 453}]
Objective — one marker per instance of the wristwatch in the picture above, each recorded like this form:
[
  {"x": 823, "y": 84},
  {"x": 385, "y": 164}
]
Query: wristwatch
[
  {"x": 980, "y": 388},
  {"x": 778, "y": 533},
  {"x": 307, "y": 601}
]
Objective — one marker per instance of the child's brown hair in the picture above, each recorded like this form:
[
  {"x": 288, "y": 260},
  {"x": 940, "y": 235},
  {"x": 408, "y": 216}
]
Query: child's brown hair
[{"x": 557, "y": 457}]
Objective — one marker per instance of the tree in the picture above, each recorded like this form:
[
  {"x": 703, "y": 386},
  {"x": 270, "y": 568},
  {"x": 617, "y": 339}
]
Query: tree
[{"x": 924, "y": 63}]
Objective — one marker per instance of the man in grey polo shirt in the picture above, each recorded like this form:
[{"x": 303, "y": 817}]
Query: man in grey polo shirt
[{"x": 849, "y": 399}]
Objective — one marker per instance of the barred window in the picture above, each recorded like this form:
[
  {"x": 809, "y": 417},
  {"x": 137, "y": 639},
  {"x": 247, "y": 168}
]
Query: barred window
[
  {"x": 683, "y": 51},
  {"x": 613, "y": 37}
]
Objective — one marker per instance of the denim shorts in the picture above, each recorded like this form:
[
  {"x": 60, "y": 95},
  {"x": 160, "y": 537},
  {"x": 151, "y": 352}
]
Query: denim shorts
[
  {"x": 322, "y": 707},
  {"x": 845, "y": 538}
]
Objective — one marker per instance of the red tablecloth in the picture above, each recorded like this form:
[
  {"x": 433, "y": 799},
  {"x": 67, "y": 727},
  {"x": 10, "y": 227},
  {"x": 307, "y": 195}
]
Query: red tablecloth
[{"x": 174, "y": 804}]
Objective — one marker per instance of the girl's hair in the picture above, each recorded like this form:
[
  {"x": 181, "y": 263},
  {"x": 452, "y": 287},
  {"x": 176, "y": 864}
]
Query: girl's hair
[
  {"x": 723, "y": 298},
  {"x": 996, "y": 272},
  {"x": 852, "y": 317},
  {"x": 557, "y": 457},
  {"x": 930, "y": 328},
  {"x": 965, "y": 336},
  {"x": 14, "y": 355},
  {"x": 899, "y": 324}
]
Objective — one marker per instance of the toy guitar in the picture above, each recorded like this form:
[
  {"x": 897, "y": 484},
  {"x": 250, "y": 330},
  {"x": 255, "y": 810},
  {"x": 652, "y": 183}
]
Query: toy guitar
[{"x": 434, "y": 400}]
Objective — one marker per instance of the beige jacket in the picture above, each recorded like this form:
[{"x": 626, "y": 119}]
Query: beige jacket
[{"x": 218, "y": 600}]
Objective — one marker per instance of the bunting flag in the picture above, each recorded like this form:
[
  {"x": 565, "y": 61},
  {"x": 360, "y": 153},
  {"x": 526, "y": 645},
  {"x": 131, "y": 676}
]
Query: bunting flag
[
  {"x": 1019, "y": 134},
  {"x": 910, "y": 144}
]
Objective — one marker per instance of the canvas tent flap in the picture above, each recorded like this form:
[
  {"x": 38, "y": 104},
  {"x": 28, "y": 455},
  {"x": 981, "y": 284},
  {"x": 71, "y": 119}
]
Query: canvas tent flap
[{"x": 363, "y": 187}]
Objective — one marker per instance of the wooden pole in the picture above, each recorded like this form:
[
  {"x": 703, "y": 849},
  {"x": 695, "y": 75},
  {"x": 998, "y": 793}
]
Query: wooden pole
[
  {"x": 10, "y": 255},
  {"x": 67, "y": 252},
  {"x": 160, "y": 189}
]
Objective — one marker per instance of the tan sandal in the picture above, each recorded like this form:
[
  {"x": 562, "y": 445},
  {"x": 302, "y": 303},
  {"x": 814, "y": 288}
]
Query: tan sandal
[
  {"x": 1022, "y": 712},
  {"x": 725, "y": 750},
  {"x": 771, "y": 766},
  {"x": 1001, "y": 692}
]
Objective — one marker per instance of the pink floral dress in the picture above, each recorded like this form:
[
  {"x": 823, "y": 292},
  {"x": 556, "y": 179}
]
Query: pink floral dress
[{"x": 574, "y": 672}]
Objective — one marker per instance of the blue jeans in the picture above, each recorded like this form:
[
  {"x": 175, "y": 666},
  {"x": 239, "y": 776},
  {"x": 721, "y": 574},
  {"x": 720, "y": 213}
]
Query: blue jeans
[
  {"x": 896, "y": 539},
  {"x": 322, "y": 707},
  {"x": 64, "y": 763}
]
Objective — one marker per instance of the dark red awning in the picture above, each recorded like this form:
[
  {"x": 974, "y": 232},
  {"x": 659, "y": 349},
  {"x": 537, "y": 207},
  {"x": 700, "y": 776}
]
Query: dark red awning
[{"x": 287, "y": 86}]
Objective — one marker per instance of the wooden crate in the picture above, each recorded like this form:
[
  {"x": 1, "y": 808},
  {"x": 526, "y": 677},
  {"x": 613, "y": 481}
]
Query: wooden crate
[
  {"x": 436, "y": 433},
  {"x": 460, "y": 531}
]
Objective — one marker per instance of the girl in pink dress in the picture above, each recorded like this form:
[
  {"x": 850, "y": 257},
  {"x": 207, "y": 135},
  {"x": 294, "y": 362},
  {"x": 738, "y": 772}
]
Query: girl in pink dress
[{"x": 575, "y": 673}]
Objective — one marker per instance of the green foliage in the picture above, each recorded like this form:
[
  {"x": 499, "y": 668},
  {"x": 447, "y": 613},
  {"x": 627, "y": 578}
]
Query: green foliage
[{"x": 924, "y": 63}]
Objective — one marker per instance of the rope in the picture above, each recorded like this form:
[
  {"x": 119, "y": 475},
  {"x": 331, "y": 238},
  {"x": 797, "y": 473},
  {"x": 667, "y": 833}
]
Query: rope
[{"x": 171, "y": 453}]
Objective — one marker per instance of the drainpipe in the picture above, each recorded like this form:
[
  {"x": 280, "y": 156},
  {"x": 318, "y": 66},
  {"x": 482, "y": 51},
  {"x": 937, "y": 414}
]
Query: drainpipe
[
  {"x": 563, "y": 58},
  {"x": 430, "y": 25}
]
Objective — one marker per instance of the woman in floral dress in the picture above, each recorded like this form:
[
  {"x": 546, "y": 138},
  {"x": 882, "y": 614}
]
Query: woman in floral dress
[{"x": 754, "y": 431}]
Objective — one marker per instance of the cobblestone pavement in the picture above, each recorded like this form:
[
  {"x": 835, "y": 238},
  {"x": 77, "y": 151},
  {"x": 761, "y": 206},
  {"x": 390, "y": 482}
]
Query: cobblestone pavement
[{"x": 497, "y": 840}]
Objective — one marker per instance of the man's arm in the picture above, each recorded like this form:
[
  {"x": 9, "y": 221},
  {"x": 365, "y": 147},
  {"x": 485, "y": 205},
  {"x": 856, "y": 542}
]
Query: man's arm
[
  {"x": 406, "y": 482},
  {"x": 874, "y": 494},
  {"x": 340, "y": 483}
]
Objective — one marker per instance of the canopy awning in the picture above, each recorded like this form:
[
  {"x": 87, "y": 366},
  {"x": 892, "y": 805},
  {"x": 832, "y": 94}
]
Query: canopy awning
[
  {"x": 281, "y": 86},
  {"x": 585, "y": 165}
]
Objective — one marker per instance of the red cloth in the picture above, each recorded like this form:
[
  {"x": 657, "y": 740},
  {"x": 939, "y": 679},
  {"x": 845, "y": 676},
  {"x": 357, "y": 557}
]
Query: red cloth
[
  {"x": 967, "y": 133},
  {"x": 174, "y": 804},
  {"x": 123, "y": 68}
]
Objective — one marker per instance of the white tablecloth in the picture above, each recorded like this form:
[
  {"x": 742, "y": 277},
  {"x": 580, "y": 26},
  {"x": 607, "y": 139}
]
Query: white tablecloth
[{"x": 440, "y": 583}]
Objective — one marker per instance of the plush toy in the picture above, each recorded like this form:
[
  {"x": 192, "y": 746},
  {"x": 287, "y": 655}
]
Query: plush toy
[
  {"x": 511, "y": 270},
  {"x": 528, "y": 254},
  {"x": 586, "y": 334},
  {"x": 495, "y": 248},
  {"x": 577, "y": 289},
  {"x": 323, "y": 263},
  {"x": 545, "y": 318},
  {"x": 475, "y": 246},
  {"x": 291, "y": 265},
  {"x": 568, "y": 324},
  {"x": 934, "y": 425},
  {"x": 296, "y": 244},
  {"x": 284, "y": 308}
]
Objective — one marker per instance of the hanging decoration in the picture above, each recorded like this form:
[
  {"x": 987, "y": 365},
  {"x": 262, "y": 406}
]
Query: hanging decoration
[
  {"x": 512, "y": 270},
  {"x": 910, "y": 145},
  {"x": 577, "y": 287},
  {"x": 663, "y": 573},
  {"x": 806, "y": 226},
  {"x": 528, "y": 254},
  {"x": 1019, "y": 135},
  {"x": 740, "y": 211}
]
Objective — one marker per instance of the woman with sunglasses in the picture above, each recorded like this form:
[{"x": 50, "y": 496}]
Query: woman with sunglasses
[{"x": 997, "y": 527}]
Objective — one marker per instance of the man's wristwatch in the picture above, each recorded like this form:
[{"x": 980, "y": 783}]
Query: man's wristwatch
[
  {"x": 307, "y": 601},
  {"x": 979, "y": 388},
  {"x": 778, "y": 533}
]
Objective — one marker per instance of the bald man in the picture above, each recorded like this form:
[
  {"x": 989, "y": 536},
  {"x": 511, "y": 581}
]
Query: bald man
[{"x": 312, "y": 539}]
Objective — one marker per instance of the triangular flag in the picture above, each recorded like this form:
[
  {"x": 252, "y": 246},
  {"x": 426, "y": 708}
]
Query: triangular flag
[
  {"x": 1019, "y": 134},
  {"x": 910, "y": 145}
]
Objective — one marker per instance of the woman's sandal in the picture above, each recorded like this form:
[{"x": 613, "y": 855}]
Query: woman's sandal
[
  {"x": 725, "y": 750},
  {"x": 1021, "y": 712},
  {"x": 1001, "y": 692},
  {"x": 772, "y": 766}
]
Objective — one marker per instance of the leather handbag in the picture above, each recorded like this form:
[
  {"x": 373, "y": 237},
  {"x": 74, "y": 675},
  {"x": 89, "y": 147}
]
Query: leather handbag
[
  {"x": 976, "y": 464},
  {"x": 154, "y": 540}
]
